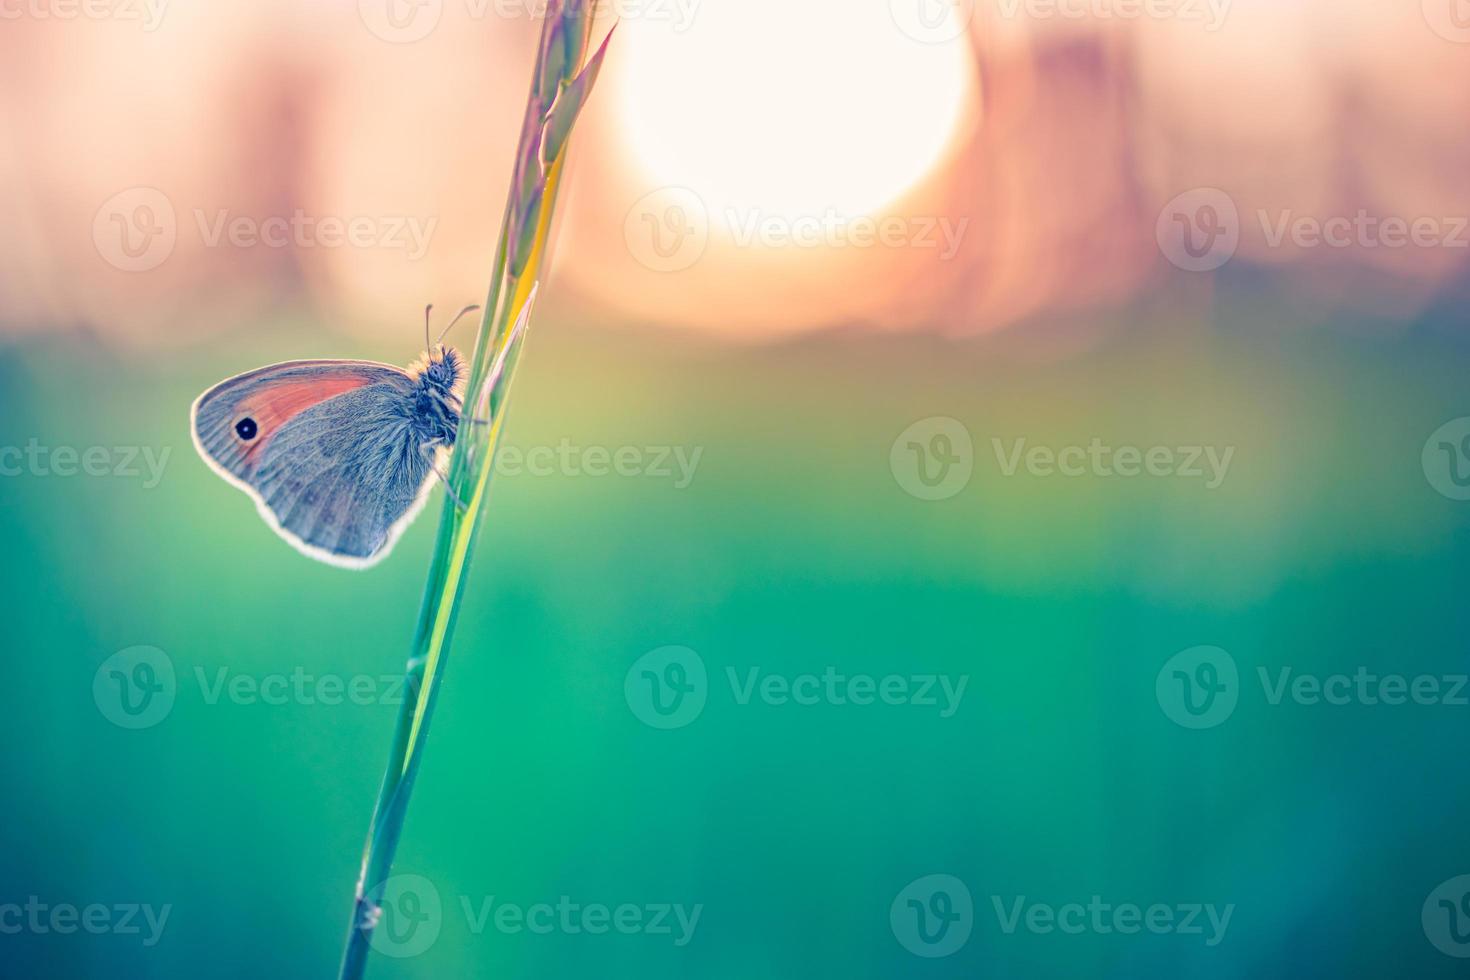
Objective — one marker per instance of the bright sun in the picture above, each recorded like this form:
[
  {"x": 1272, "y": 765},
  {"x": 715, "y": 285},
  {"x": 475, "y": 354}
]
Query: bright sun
[{"x": 788, "y": 107}]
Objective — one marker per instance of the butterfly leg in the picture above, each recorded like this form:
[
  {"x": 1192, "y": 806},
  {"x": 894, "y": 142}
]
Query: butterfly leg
[
  {"x": 450, "y": 490},
  {"x": 459, "y": 408},
  {"x": 448, "y": 487}
]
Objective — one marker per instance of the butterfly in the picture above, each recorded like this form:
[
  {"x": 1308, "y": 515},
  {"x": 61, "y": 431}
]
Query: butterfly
[{"x": 339, "y": 456}]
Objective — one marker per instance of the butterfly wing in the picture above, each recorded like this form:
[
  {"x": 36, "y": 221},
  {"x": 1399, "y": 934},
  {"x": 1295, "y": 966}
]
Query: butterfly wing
[
  {"x": 235, "y": 420},
  {"x": 325, "y": 449}
]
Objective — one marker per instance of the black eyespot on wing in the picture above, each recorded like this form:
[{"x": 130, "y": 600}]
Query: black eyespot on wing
[{"x": 246, "y": 429}]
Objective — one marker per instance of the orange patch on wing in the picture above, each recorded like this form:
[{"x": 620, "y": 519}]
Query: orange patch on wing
[{"x": 279, "y": 404}]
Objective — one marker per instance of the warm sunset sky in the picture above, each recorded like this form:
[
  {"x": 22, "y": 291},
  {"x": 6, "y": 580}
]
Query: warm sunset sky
[{"x": 748, "y": 166}]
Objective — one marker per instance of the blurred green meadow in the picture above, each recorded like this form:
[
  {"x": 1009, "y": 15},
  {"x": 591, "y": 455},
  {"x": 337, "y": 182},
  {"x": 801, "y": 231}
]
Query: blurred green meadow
[{"x": 785, "y": 826}]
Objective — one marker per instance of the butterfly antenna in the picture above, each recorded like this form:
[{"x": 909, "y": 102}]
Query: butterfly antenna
[
  {"x": 462, "y": 314},
  {"x": 427, "y": 310}
]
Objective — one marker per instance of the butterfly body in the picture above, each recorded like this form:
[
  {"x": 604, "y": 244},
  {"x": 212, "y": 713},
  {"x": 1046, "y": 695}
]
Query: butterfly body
[{"x": 339, "y": 456}]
